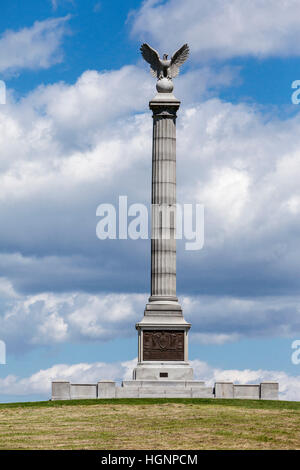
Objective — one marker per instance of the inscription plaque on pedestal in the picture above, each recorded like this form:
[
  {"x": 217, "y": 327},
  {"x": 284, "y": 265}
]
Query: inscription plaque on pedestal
[{"x": 163, "y": 345}]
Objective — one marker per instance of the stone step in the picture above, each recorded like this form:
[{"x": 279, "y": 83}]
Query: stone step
[
  {"x": 163, "y": 383},
  {"x": 160, "y": 392}
]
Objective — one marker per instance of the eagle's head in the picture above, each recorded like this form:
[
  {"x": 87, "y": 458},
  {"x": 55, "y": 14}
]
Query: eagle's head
[{"x": 165, "y": 56}]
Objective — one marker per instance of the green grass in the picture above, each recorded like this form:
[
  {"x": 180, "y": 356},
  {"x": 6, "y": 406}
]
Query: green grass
[
  {"x": 150, "y": 424},
  {"x": 257, "y": 404}
]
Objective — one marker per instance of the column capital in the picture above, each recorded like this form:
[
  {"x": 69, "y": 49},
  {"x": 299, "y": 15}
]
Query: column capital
[{"x": 164, "y": 105}]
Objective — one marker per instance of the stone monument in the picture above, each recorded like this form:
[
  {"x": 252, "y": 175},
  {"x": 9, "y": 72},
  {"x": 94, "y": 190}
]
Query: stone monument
[
  {"x": 163, "y": 369},
  {"x": 163, "y": 331}
]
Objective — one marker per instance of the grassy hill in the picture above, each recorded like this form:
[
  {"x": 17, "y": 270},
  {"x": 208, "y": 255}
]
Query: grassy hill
[{"x": 150, "y": 424}]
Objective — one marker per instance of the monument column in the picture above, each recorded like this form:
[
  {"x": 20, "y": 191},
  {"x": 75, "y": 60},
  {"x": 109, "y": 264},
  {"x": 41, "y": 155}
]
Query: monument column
[
  {"x": 163, "y": 243},
  {"x": 163, "y": 331}
]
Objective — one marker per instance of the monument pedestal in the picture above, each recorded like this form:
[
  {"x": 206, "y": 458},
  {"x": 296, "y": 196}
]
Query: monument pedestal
[{"x": 163, "y": 343}]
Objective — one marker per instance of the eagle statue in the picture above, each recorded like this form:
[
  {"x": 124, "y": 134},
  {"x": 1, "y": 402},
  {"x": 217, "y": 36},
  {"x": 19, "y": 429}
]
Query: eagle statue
[{"x": 164, "y": 68}]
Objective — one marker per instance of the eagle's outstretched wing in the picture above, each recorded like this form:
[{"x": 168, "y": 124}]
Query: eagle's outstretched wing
[
  {"x": 178, "y": 58},
  {"x": 152, "y": 57}
]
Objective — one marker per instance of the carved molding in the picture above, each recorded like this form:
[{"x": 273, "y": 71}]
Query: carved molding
[{"x": 167, "y": 111}]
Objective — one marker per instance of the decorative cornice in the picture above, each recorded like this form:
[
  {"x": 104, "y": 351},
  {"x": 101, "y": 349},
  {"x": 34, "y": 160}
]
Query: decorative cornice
[{"x": 164, "y": 110}]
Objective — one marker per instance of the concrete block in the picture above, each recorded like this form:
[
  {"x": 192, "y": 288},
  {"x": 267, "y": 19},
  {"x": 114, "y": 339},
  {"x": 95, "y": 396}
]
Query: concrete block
[
  {"x": 166, "y": 384},
  {"x": 128, "y": 392},
  {"x": 204, "y": 392},
  {"x": 160, "y": 384},
  {"x": 246, "y": 391},
  {"x": 269, "y": 390},
  {"x": 132, "y": 383},
  {"x": 60, "y": 390},
  {"x": 224, "y": 390},
  {"x": 194, "y": 384},
  {"x": 163, "y": 389},
  {"x": 180, "y": 384},
  {"x": 151, "y": 392},
  {"x": 83, "y": 391},
  {"x": 175, "y": 393},
  {"x": 106, "y": 389}
]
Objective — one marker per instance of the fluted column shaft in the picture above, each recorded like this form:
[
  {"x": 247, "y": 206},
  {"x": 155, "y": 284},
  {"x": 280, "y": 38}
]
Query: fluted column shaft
[{"x": 163, "y": 243}]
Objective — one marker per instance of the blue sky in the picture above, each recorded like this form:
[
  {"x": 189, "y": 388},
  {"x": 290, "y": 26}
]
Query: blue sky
[{"x": 76, "y": 132}]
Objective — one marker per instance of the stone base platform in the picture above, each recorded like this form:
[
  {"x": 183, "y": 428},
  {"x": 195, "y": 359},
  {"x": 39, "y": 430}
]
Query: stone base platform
[
  {"x": 171, "y": 371},
  {"x": 164, "y": 389},
  {"x": 63, "y": 390}
]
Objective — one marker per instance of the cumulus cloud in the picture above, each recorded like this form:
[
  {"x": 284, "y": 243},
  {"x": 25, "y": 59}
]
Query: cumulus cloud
[
  {"x": 40, "y": 382},
  {"x": 47, "y": 319},
  {"x": 36, "y": 47},
  {"x": 219, "y": 320},
  {"x": 221, "y": 30},
  {"x": 62, "y": 156},
  {"x": 245, "y": 174}
]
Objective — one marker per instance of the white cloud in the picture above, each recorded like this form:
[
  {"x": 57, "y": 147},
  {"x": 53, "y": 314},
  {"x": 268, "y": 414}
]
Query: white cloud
[
  {"x": 40, "y": 382},
  {"x": 222, "y": 319},
  {"x": 218, "y": 29},
  {"x": 47, "y": 319},
  {"x": 62, "y": 156},
  {"x": 37, "y": 47},
  {"x": 6, "y": 290},
  {"x": 226, "y": 193}
]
